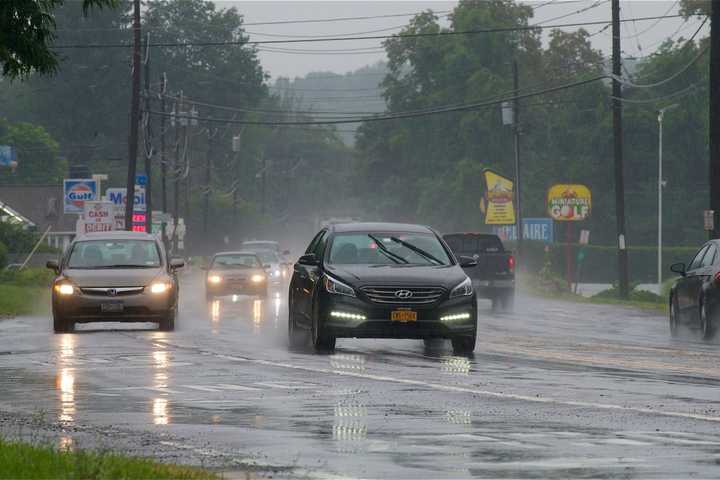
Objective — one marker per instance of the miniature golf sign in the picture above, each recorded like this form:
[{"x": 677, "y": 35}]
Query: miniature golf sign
[
  {"x": 569, "y": 203},
  {"x": 499, "y": 208}
]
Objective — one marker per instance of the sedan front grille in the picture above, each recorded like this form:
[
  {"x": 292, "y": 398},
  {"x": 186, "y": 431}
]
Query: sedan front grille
[
  {"x": 403, "y": 295},
  {"x": 111, "y": 291}
]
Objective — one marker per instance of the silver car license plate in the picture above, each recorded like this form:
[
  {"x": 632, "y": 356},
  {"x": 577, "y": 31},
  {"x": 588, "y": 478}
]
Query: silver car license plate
[{"x": 112, "y": 307}]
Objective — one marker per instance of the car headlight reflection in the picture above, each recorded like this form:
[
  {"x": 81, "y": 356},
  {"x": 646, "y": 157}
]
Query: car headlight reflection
[
  {"x": 214, "y": 279},
  {"x": 159, "y": 287},
  {"x": 257, "y": 278},
  {"x": 65, "y": 289}
]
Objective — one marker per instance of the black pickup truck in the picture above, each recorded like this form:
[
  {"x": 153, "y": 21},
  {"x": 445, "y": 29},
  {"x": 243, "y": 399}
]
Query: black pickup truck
[{"x": 494, "y": 276}]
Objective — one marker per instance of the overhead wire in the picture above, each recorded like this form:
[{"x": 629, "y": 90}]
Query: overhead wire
[{"x": 628, "y": 83}]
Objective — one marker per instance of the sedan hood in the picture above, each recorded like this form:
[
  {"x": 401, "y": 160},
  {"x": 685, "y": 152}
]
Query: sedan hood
[
  {"x": 115, "y": 277},
  {"x": 447, "y": 276}
]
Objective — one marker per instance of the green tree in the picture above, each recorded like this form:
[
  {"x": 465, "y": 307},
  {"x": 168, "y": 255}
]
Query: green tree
[
  {"x": 27, "y": 33},
  {"x": 38, "y": 161}
]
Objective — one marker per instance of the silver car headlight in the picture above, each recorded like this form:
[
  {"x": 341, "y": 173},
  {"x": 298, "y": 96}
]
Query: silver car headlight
[{"x": 464, "y": 289}]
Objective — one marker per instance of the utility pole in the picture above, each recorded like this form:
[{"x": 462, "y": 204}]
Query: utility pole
[
  {"x": 661, "y": 185},
  {"x": 208, "y": 168},
  {"x": 264, "y": 179},
  {"x": 163, "y": 160},
  {"x": 176, "y": 174},
  {"x": 134, "y": 118},
  {"x": 516, "y": 131},
  {"x": 148, "y": 154},
  {"x": 715, "y": 114},
  {"x": 623, "y": 280}
]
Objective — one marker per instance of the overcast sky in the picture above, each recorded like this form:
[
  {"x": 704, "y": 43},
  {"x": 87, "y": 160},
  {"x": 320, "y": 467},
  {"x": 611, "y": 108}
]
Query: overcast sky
[{"x": 641, "y": 38}]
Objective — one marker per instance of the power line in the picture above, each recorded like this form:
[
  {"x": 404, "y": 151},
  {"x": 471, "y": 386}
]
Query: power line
[
  {"x": 354, "y": 38},
  {"x": 666, "y": 80},
  {"x": 398, "y": 116},
  {"x": 340, "y": 19}
]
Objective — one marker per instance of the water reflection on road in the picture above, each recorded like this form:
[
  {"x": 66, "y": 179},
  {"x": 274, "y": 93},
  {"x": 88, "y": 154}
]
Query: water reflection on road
[{"x": 65, "y": 379}]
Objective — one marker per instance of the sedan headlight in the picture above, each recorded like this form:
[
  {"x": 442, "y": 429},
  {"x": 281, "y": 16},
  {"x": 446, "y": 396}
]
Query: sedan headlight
[
  {"x": 64, "y": 289},
  {"x": 214, "y": 279},
  {"x": 159, "y": 287},
  {"x": 257, "y": 278},
  {"x": 464, "y": 289},
  {"x": 335, "y": 286}
]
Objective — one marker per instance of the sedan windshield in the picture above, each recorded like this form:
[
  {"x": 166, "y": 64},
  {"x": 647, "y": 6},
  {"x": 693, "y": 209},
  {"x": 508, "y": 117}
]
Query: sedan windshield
[
  {"x": 385, "y": 248},
  {"x": 267, "y": 257},
  {"x": 231, "y": 261},
  {"x": 114, "y": 254}
]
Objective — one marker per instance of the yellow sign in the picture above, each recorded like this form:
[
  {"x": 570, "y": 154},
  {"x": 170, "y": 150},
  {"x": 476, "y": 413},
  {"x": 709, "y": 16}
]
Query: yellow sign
[
  {"x": 569, "y": 203},
  {"x": 499, "y": 208}
]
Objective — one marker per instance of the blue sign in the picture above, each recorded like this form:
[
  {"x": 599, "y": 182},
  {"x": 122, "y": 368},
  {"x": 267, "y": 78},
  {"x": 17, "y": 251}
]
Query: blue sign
[
  {"x": 540, "y": 229},
  {"x": 8, "y": 155},
  {"x": 76, "y": 192},
  {"x": 141, "y": 179}
]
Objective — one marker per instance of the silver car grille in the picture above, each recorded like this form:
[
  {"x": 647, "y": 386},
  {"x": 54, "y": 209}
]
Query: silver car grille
[
  {"x": 403, "y": 295},
  {"x": 111, "y": 291}
]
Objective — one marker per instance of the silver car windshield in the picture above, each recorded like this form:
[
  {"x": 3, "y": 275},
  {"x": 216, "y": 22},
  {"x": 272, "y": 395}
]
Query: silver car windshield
[
  {"x": 92, "y": 254},
  {"x": 224, "y": 262}
]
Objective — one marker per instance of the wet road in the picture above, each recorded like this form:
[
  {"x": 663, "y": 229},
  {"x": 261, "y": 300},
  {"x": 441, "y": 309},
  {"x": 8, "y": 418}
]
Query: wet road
[{"x": 553, "y": 390}]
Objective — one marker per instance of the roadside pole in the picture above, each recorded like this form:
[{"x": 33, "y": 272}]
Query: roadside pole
[
  {"x": 208, "y": 173},
  {"x": 623, "y": 280},
  {"x": 134, "y": 118},
  {"x": 176, "y": 175},
  {"x": 714, "y": 108},
  {"x": 516, "y": 131},
  {"x": 148, "y": 153},
  {"x": 163, "y": 160}
]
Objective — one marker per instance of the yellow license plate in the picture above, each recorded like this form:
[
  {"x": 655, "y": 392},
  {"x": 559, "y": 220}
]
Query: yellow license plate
[{"x": 403, "y": 316}]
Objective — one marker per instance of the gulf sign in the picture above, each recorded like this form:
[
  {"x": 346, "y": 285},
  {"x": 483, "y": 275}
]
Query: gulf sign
[
  {"x": 569, "y": 203},
  {"x": 76, "y": 192}
]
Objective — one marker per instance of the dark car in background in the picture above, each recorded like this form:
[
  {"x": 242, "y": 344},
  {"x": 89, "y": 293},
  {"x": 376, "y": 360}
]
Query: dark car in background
[
  {"x": 695, "y": 295},
  {"x": 494, "y": 276},
  {"x": 236, "y": 273},
  {"x": 381, "y": 280},
  {"x": 114, "y": 276}
]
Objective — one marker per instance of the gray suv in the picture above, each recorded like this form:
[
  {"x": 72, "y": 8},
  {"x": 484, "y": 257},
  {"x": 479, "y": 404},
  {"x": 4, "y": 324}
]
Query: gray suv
[{"x": 115, "y": 276}]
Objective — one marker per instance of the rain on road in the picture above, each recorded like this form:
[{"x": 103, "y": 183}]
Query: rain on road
[{"x": 553, "y": 390}]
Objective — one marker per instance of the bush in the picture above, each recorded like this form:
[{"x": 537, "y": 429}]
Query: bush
[
  {"x": 28, "y": 277},
  {"x": 642, "y": 296},
  {"x": 3, "y": 255}
]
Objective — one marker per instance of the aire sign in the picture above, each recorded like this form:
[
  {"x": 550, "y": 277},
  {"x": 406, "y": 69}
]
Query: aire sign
[
  {"x": 569, "y": 202},
  {"x": 77, "y": 191}
]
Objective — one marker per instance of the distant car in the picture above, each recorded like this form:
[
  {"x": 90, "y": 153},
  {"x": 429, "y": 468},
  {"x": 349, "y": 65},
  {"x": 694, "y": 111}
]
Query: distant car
[
  {"x": 381, "y": 280},
  {"x": 494, "y": 276},
  {"x": 694, "y": 298},
  {"x": 265, "y": 245},
  {"x": 277, "y": 270},
  {"x": 235, "y": 273},
  {"x": 114, "y": 276}
]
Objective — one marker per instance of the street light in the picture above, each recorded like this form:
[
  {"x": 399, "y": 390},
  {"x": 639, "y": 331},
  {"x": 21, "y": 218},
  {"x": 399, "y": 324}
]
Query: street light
[{"x": 661, "y": 184}]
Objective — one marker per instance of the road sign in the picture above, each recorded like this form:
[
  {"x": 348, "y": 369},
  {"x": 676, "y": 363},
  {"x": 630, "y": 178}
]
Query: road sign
[
  {"x": 584, "y": 237},
  {"x": 540, "y": 229},
  {"x": 77, "y": 191},
  {"x": 569, "y": 203},
  {"x": 709, "y": 219},
  {"x": 141, "y": 179},
  {"x": 499, "y": 199},
  {"x": 98, "y": 216},
  {"x": 118, "y": 196},
  {"x": 8, "y": 156}
]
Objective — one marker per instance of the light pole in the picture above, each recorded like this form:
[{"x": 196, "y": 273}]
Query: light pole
[{"x": 661, "y": 184}]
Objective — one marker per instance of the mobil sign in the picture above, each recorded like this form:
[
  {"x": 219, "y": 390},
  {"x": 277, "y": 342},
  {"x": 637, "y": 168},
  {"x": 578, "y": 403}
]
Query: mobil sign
[
  {"x": 77, "y": 191},
  {"x": 118, "y": 196}
]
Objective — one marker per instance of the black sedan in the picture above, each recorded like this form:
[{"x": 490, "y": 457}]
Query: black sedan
[
  {"x": 381, "y": 280},
  {"x": 694, "y": 296}
]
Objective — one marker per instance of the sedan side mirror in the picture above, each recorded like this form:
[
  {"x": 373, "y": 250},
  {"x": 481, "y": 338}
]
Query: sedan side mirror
[
  {"x": 678, "y": 268},
  {"x": 309, "y": 259},
  {"x": 53, "y": 265},
  {"x": 176, "y": 263},
  {"x": 467, "y": 262}
]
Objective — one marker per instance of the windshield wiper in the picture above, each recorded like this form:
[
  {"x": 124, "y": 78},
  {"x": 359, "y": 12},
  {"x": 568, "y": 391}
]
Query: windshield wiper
[
  {"x": 120, "y": 265},
  {"x": 392, "y": 256},
  {"x": 417, "y": 250}
]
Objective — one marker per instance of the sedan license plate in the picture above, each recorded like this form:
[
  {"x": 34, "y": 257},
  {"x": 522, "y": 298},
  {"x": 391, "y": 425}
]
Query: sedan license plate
[
  {"x": 403, "y": 316},
  {"x": 114, "y": 307}
]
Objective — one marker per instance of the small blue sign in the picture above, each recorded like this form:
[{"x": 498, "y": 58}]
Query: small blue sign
[
  {"x": 8, "y": 155},
  {"x": 540, "y": 229},
  {"x": 76, "y": 192},
  {"x": 141, "y": 179}
]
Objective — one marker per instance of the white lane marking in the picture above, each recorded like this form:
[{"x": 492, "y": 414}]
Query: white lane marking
[
  {"x": 202, "y": 389},
  {"x": 227, "y": 386},
  {"x": 477, "y": 391},
  {"x": 161, "y": 389},
  {"x": 285, "y": 385}
]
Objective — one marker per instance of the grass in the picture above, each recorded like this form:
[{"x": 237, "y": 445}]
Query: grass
[
  {"x": 21, "y": 461},
  {"x": 21, "y": 300}
]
